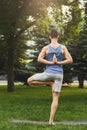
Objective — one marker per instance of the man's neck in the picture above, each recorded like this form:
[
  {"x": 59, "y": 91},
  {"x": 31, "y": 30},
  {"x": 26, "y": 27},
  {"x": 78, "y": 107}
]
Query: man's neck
[{"x": 54, "y": 41}]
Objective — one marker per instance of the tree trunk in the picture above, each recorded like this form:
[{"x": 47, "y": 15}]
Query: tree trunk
[
  {"x": 81, "y": 81},
  {"x": 11, "y": 47},
  {"x": 10, "y": 67}
]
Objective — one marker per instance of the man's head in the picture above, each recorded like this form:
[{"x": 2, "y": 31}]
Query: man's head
[{"x": 53, "y": 33}]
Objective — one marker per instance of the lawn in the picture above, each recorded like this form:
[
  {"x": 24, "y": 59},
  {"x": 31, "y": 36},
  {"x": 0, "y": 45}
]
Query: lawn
[{"x": 33, "y": 103}]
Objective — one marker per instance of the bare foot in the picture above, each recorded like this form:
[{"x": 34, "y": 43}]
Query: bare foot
[{"x": 51, "y": 123}]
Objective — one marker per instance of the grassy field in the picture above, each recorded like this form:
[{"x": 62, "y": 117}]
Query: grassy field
[{"x": 33, "y": 103}]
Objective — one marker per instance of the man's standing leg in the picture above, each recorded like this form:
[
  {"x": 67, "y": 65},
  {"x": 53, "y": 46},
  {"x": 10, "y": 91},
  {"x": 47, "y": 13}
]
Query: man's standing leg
[{"x": 54, "y": 105}]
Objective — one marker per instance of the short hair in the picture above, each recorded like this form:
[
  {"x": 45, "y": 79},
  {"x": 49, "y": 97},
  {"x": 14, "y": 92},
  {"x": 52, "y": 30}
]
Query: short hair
[{"x": 53, "y": 33}]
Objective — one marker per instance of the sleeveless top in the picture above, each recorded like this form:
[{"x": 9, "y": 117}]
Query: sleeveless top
[{"x": 55, "y": 68}]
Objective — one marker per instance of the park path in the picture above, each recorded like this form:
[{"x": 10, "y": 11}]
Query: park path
[
  {"x": 4, "y": 82},
  {"x": 84, "y": 122}
]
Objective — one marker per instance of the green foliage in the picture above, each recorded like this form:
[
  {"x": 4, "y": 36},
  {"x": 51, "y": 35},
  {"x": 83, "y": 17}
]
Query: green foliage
[
  {"x": 21, "y": 20},
  {"x": 15, "y": 19},
  {"x": 79, "y": 52},
  {"x": 73, "y": 26},
  {"x": 34, "y": 66},
  {"x": 68, "y": 74}
]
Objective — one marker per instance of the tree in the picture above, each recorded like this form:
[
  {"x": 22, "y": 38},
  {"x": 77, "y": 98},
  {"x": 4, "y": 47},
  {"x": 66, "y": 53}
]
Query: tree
[
  {"x": 15, "y": 18},
  {"x": 73, "y": 25},
  {"x": 79, "y": 52}
]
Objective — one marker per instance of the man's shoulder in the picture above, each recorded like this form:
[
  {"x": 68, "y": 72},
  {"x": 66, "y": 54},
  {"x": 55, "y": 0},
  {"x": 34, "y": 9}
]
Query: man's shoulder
[
  {"x": 45, "y": 47},
  {"x": 63, "y": 46}
]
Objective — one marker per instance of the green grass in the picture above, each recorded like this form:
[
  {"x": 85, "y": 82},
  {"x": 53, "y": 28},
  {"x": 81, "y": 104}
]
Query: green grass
[{"x": 33, "y": 103}]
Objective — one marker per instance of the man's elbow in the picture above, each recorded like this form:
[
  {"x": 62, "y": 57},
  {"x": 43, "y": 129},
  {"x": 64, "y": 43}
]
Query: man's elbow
[
  {"x": 71, "y": 60},
  {"x": 38, "y": 59}
]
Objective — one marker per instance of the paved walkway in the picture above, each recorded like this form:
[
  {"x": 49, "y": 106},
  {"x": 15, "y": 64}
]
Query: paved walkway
[
  {"x": 43, "y": 122},
  {"x": 4, "y": 82}
]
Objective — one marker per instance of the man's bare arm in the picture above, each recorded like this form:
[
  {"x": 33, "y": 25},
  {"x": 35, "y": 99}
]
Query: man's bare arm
[
  {"x": 42, "y": 55},
  {"x": 68, "y": 57}
]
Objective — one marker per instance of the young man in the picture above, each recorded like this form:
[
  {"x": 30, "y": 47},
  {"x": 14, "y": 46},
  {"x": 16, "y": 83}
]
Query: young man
[{"x": 52, "y": 55}]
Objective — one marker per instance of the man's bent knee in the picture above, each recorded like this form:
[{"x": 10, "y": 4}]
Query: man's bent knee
[{"x": 29, "y": 80}]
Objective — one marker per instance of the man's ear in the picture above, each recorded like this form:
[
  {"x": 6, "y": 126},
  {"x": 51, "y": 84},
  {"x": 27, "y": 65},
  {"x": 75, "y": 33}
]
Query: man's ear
[
  {"x": 58, "y": 36},
  {"x": 49, "y": 36}
]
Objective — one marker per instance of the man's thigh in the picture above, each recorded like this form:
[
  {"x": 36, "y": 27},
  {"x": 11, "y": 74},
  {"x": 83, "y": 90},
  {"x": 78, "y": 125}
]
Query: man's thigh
[{"x": 42, "y": 77}]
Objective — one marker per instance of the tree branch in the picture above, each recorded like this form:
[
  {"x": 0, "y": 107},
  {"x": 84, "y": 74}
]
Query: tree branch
[{"x": 26, "y": 27}]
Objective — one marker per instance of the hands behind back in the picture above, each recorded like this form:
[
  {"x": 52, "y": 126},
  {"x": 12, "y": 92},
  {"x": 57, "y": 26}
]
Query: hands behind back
[{"x": 55, "y": 59}]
